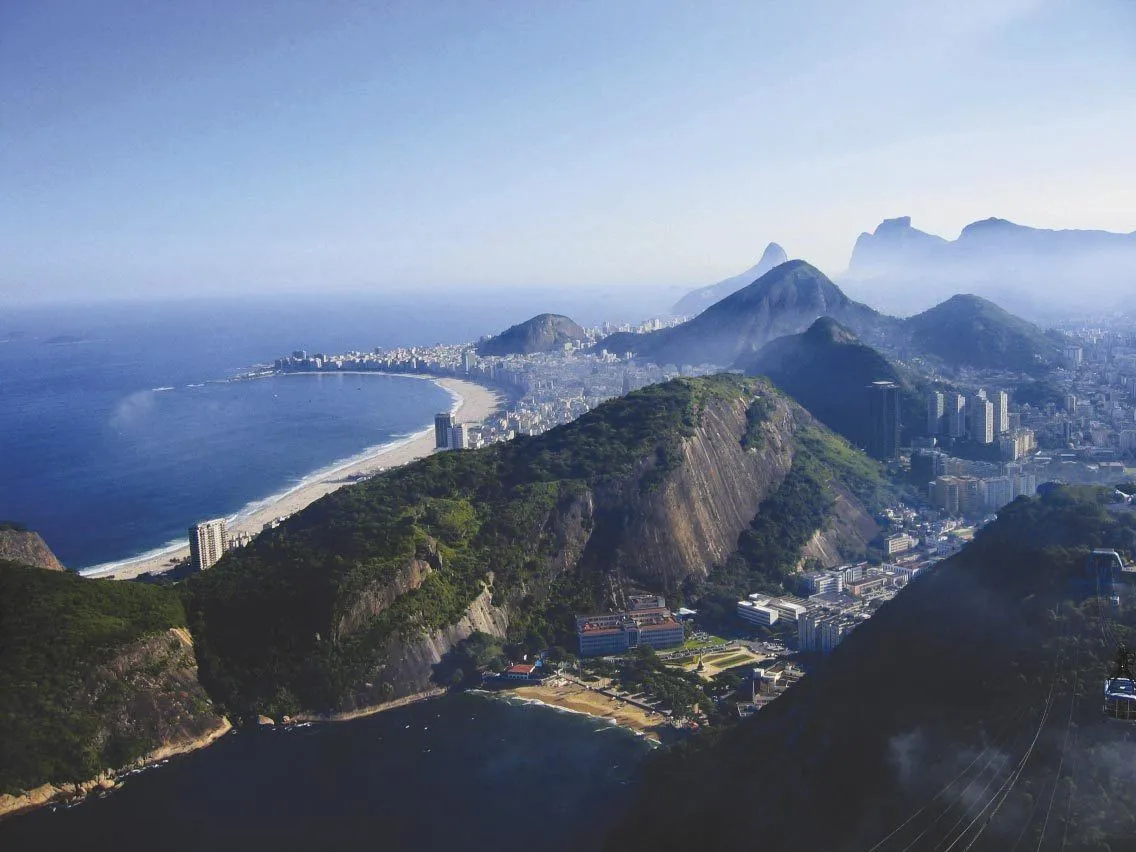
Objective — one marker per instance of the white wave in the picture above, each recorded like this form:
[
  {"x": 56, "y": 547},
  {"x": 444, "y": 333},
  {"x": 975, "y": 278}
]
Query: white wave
[
  {"x": 329, "y": 471},
  {"x": 169, "y": 547},
  {"x": 158, "y": 390}
]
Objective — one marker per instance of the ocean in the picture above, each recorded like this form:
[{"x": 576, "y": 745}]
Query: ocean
[
  {"x": 120, "y": 426},
  {"x": 461, "y": 772}
]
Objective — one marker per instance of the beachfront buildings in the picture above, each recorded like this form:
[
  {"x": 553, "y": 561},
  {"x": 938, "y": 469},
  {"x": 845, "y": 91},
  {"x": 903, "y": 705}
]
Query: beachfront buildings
[
  {"x": 206, "y": 543},
  {"x": 646, "y": 621},
  {"x": 443, "y": 429}
]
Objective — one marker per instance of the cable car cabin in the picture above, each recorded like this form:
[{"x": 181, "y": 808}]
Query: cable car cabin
[
  {"x": 1120, "y": 699},
  {"x": 1120, "y": 689}
]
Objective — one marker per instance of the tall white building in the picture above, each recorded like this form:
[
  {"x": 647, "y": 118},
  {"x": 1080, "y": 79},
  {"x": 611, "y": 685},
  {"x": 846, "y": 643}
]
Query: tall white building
[
  {"x": 981, "y": 420},
  {"x": 459, "y": 437},
  {"x": 206, "y": 543},
  {"x": 1001, "y": 403}
]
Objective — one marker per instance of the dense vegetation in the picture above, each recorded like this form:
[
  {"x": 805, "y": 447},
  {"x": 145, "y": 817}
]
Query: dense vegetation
[
  {"x": 971, "y": 331},
  {"x": 828, "y": 371},
  {"x": 56, "y": 628},
  {"x": 268, "y": 619},
  {"x": 963, "y": 659},
  {"x": 542, "y": 333}
]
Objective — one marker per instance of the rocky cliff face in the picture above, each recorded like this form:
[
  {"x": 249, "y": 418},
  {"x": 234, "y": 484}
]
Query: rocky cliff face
[
  {"x": 693, "y": 520},
  {"x": 27, "y": 548}
]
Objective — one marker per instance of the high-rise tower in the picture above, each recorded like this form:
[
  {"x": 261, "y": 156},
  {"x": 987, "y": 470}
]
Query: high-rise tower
[
  {"x": 884, "y": 416},
  {"x": 206, "y": 543}
]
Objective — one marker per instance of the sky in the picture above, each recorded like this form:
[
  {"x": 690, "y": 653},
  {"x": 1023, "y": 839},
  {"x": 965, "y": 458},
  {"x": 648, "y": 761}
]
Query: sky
[{"x": 151, "y": 149}]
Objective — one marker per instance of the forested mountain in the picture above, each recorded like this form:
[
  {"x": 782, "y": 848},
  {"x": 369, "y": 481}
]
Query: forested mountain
[
  {"x": 970, "y": 331},
  {"x": 969, "y": 705},
  {"x": 828, "y": 371},
  {"x": 542, "y": 333},
  {"x": 785, "y": 300},
  {"x": 685, "y": 488}
]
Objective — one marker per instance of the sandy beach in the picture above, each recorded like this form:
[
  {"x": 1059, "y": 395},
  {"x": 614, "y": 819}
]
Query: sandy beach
[
  {"x": 573, "y": 696},
  {"x": 473, "y": 403}
]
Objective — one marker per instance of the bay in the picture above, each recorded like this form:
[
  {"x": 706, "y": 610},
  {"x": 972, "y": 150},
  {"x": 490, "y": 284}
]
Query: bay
[{"x": 463, "y": 771}]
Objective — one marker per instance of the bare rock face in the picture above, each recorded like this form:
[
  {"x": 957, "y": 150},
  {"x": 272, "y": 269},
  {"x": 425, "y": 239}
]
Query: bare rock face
[
  {"x": 27, "y": 548},
  {"x": 693, "y": 520},
  {"x": 149, "y": 692},
  {"x": 409, "y": 666}
]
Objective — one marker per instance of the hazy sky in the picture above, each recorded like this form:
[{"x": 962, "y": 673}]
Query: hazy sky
[{"x": 224, "y": 146}]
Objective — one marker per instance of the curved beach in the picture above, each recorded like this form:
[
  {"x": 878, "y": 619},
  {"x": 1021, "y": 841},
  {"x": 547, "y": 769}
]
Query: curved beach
[{"x": 473, "y": 403}]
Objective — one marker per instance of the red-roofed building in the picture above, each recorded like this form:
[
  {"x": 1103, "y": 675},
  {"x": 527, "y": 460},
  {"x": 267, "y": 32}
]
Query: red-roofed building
[{"x": 520, "y": 671}]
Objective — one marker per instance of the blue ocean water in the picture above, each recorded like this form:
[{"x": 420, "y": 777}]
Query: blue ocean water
[
  {"x": 119, "y": 426},
  {"x": 461, "y": 772}
]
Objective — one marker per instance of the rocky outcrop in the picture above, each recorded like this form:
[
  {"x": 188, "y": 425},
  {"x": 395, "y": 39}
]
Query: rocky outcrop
[
  {"x": 692, "y": 521},
  {"x": 409, "y": 663},
  {"x": 149, "y": 702},
  {"x": 27, "y": 548},
  {"x": 148, "y": 693},
  {"x": 377, "y": 597}
]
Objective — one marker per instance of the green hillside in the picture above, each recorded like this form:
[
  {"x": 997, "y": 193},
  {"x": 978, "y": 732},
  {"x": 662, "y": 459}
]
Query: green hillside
[
  {"x": 304, "y": 614},
  {"x": 971, "y": 331},
  {"x": 62, "y": 717},
  {"x": 542, "y": 333}
]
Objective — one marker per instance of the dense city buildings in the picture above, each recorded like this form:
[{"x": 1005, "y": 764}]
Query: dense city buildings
[{"x": 207, "y": 543}]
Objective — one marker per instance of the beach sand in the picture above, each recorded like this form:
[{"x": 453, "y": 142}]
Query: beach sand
[
  {"x": 573, "y": 696},
  {"x": 476, "y": 403}
]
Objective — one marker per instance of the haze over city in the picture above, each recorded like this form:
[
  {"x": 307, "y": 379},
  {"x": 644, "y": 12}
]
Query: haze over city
[{"x": 208, "y": 148}]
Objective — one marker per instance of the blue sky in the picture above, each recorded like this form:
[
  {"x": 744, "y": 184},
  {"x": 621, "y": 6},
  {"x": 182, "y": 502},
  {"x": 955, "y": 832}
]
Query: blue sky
[{"x": 217, "y": 147}]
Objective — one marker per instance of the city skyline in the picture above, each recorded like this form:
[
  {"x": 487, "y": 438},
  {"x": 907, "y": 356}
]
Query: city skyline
[{"x": 246, "y": 149}]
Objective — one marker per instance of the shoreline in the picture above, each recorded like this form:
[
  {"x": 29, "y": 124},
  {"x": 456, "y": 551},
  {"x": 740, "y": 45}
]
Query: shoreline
[
  {"x": 473, "y": 401},
  {"x": 569, "y": 697},
  {"x": 68, "y": 794}
]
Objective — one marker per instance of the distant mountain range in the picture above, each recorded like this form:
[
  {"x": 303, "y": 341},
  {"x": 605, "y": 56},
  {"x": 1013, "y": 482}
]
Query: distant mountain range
[
  {"x": 900, "y": 268},
  {"x": 785, "y": 300},
  {"x": 964, "y": 331},
  {"x": 697, "y": 301},
  {"x": 542, "y": 333}
]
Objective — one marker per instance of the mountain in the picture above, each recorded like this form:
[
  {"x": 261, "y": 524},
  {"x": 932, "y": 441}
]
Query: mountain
[
  {"x": 360, "y": 598},
  {"x": 542, "y": 333},
  {"x": 966, "y": 709},
  {"x": 696, "y": 301},
  {"x": 785, "y": 300},
  {"x": 19, "y": 544},
  {"x": 970, "y": 331},
  {"x": 828, "y": 371},
  {"x": 1035, "y": 271},
  {"x": 94, "y": 675}
]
